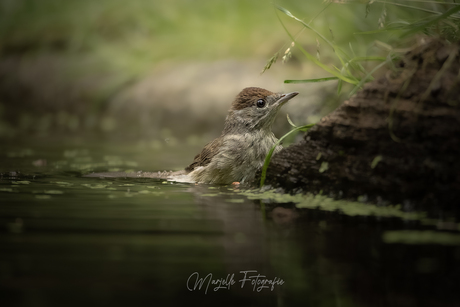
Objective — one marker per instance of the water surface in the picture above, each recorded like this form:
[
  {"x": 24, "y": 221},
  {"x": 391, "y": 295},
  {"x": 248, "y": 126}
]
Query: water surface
[{"x": 67, "y": 240}]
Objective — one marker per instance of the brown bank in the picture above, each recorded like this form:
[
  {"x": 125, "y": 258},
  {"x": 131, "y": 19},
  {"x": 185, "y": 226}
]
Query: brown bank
[{"x": 397, "y": 140}]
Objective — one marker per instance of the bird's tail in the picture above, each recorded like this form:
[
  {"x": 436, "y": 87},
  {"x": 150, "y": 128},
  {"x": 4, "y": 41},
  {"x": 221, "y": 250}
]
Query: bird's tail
[{"x": 159, "y": 175}]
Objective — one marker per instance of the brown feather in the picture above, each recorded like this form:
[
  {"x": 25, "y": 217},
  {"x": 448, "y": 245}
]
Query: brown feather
[
  {"x": 248, "y": 96},
  {"x": 206, "y": 155}
]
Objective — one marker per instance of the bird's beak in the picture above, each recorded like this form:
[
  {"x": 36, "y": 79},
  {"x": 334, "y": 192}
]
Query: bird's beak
[{"x": 285, "y": 98}]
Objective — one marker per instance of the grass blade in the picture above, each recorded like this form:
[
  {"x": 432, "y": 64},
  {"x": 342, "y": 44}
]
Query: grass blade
[
  {"x": 311, "y": 57},
  {"x": 369, "y": 75},
  {"x": 339, "y": 87},
  {"x": 311, "y": 80},
  {"x": 416, "y": 8},
  {"x": 270, "y": 153},
  {"x": 314, "y": 60},
  {"x": 424, "y": 25},
  {"x": 368, "y": 58},
  {"x": 290, "y": 121}
]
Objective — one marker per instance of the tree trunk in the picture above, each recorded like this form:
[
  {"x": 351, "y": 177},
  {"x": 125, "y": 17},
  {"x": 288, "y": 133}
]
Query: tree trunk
[{"x": 397, "y": 140}]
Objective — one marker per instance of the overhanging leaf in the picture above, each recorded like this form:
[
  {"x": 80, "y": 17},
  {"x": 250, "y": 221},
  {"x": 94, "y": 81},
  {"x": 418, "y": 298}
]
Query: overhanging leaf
[{"x": 311, "y": 80}]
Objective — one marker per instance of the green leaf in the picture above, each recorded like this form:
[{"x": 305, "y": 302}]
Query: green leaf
[
  {"x": 395, "y": 26},
  {"x": 305, "y": 128},
  {"x": 311, "y": 80},
  {"x": 290, "y": 121}
]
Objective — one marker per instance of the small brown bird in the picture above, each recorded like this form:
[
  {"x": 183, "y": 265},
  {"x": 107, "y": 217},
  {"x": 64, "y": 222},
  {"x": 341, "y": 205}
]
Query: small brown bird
[
  {"x": 240, "y": 150},
  {"x": 247, "y": 138}
]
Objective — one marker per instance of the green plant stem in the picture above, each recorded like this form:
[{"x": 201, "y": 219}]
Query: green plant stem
[
  {"x": 433, "y": 21},
  {"x": 311, "y": 80},
  {"x": 414, "y": 7},
  {"x": 369, "y": 75},
  {"x": 308, "y": 55},
  {"x": 270, "y": 153}
]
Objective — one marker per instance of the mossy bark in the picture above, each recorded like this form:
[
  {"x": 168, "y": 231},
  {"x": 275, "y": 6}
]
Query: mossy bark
[{"x": 397, "y": 140}]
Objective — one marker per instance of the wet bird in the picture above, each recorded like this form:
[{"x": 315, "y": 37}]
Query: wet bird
[{"x": 240, "y": 150}]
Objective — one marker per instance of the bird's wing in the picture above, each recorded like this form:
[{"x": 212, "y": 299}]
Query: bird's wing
[{"x": 206, "y": 155}]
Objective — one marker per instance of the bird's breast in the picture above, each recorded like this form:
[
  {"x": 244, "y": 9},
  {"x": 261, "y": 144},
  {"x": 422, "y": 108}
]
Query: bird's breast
[
  {"x": 245, "y": 154},
  {"x": 238, "y": 158}
]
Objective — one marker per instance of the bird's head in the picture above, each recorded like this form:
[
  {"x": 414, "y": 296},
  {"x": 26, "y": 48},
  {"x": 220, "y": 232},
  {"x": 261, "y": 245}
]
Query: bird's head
[{"x": 255, "y": 108}]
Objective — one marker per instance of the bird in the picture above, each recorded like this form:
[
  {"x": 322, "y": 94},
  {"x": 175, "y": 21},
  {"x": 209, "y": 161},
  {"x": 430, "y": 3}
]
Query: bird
[{"x": 239, "y": 152}]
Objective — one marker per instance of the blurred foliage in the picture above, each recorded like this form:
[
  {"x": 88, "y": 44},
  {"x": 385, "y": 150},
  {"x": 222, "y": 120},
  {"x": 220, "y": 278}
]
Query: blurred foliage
[
  {"x": 102, "y": 46},
  {"x": 130, "y": 35},
  {"x": 395, "y": 30},
  {"x": 384, "y": 41},
  {"x": 96, "y": 48}
]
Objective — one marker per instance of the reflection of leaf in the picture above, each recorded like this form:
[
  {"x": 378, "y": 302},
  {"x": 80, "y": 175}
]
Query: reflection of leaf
[
  {"x": 62, "y": 183},
  {"x": 94, "y": 186},
  {"x": 22, "y": 153},
  {"x": 421, "y": 237},
  {"x": 355, "y": 208},
  {"x": 42, "y": 196},
  {"x": 321, "y": 202},
  {"x": 20, "y": 182},
  {"x": 53, "y": 192},
  {"x": 235, "y": 200}
]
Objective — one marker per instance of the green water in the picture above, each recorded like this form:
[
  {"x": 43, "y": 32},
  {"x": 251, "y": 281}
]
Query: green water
[{"x": 67, "y": 240}]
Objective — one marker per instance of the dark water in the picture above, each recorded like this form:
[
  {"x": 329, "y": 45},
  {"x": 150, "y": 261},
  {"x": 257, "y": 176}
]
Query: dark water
[{"x": 66, "y": 240}]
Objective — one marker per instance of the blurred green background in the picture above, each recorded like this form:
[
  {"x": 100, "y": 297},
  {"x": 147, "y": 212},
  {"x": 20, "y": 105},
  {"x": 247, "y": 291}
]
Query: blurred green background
[{"x": 144, "y": 67}]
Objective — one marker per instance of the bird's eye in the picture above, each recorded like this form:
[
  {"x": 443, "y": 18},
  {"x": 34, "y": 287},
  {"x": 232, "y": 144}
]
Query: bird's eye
[{"x": 260, "y": 103}]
